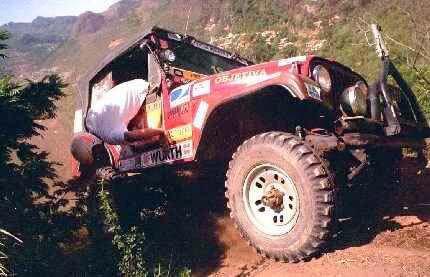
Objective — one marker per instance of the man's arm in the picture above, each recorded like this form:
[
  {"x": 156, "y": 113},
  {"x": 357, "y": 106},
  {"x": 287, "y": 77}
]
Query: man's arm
[
  {"x": 143, "y": 134},
  {"x": 141, "y": 137}
]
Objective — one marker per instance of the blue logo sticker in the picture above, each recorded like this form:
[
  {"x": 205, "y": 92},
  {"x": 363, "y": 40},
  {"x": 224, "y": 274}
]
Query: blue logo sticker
[{"x": 179, "y": 96}]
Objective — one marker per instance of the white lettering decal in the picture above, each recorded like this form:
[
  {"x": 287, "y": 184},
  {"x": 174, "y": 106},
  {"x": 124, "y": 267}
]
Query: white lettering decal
[
  {"x": 255, "y": 79},
  {"x": 201, "y": 88},
  {"x": 126, "y": 165},
  {"x": 200, "y": 115}
]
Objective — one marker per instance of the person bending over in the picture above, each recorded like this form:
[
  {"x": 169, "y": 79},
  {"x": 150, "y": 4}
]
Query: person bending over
[{"x": 109, "y": 117}]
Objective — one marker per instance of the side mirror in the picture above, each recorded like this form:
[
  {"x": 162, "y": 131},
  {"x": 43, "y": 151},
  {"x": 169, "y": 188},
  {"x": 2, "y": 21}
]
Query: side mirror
[{"x": 143, "y": 44}]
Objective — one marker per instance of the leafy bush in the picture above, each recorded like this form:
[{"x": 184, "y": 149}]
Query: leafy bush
[
  {"x": 3, "y": 256},
  {"x": 129, "y": 243},
  {"x": 135, "y": 253},
  {"x": 26, "y": 206}
]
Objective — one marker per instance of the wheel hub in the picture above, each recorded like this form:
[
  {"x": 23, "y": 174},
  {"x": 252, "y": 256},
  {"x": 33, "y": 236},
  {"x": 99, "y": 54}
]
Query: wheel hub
[
  {"x": 274, "y": 199},
  {"x": 271, "y": 199}
]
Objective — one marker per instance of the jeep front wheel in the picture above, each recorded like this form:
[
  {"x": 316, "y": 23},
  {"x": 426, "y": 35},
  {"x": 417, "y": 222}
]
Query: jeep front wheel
[{"x": 280, "y": 196}]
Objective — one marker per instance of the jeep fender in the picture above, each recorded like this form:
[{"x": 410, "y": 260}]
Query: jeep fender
[{"x": 287, "y": 83}]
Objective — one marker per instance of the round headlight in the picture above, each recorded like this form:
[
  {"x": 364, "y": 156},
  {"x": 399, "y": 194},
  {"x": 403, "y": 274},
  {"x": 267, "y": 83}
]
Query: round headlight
[
  {"x": 321, "y": 75},
  {"x": 354, "y": 100}
]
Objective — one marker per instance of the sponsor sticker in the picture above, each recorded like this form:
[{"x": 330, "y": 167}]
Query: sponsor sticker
[
  {"x": 153, "y": 114},
  {"x": 154, "y": 106},
  {"x": 201, "y": 88},
  {"x": 180, "y": 95},
  {"x": 200, "y": 115},
  {"x": 288, "y": 61},
  {"x": 314, "y": 91},
  {"x": 178, "y": 151},
  {"x": 77, "y": 123},
  {"x": 126, "y": 165},
  {"x": 178, "y": 111},
  {"x": 189, "y": 75},
  {"x": 159, "y": 156},
  {"x": 240, "y": 77},
  {"x": 181, "y": 133}
]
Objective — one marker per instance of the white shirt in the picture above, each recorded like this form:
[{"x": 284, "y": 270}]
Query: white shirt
[{"x": 109, "y": 116}]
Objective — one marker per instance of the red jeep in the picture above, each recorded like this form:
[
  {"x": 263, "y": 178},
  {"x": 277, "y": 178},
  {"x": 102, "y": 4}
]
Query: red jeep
[{"x": 293, "y": 131}]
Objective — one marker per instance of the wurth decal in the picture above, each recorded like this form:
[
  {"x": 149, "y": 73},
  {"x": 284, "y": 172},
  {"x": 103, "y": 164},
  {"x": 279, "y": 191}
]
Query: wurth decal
[{"x": 183, "y": 150}]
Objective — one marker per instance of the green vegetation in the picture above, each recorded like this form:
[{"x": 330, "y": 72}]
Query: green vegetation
[
  {"x": 27, "y": 209},
  {"x": 130, "y": 244},
  {"x": 406, "y": 32}
]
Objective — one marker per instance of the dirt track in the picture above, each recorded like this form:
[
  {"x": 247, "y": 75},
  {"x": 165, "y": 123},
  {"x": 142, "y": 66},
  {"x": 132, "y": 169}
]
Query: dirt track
[{"x": 390, "y": 239}]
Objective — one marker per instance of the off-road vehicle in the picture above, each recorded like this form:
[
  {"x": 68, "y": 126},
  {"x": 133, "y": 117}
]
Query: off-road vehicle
[{"x": 293, "y": 131}]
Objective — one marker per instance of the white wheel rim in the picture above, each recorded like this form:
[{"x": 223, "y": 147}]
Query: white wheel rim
[{"x": 258, "y": 182}]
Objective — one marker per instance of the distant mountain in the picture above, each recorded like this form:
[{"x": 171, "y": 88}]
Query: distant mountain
[
  {"x": 122, "y": 8},
  {"x": 32, "y": 43},
  {"x": 88, "y": 23},
  {"x": 60, "y": 26}
]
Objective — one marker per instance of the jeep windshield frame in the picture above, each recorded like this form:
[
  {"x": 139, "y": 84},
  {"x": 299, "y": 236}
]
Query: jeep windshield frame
[{"x": 197, "y": 56}]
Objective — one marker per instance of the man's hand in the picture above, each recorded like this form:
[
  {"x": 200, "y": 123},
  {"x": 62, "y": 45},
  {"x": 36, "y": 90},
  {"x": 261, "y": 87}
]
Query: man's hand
[{"x": 165, "y": 141}]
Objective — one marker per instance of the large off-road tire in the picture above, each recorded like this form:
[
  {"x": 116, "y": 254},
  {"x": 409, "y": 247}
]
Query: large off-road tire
[{"x": 281, "y": 196}]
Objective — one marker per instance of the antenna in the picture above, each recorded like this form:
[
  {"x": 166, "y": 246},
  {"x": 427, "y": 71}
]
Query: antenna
[{"x": 188, "y": 20}]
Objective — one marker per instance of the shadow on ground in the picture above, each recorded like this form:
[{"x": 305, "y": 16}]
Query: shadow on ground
[
  {"x": 378, "y": 210},
  {"x": 180, "y": 221}
]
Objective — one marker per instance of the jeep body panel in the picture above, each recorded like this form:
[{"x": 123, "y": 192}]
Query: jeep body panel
[{"x": 187, "y": 107}]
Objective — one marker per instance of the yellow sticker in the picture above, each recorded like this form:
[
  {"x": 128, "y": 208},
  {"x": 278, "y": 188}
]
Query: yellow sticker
[
  {"x": 154, "y": 114},
  {"x": 181, "y": 133}
]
